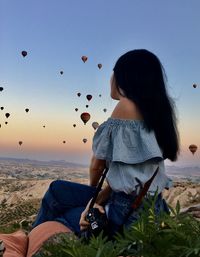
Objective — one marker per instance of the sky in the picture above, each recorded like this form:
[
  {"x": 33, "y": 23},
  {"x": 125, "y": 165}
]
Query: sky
[{"x": 55, "y": 34}]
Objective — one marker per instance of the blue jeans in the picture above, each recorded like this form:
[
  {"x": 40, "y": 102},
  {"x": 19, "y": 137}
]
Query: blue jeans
[
  {"x": 120, "y": 207},
  {"x": 64, "y": 201}
]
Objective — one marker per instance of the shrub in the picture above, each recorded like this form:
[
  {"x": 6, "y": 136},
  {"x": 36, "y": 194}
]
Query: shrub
[{"x": 151, "y": 236}]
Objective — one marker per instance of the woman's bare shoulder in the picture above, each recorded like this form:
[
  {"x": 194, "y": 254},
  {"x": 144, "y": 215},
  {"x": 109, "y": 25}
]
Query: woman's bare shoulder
[{"x": 126, "y": 110}]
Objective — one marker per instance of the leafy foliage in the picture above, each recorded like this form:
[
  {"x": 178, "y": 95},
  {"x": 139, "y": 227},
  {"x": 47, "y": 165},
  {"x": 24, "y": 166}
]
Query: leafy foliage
[{"x": 153, "y": 235}]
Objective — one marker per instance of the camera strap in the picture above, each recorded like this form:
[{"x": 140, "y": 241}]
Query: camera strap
[
  {"x": 98, "y": 188},
  {"x": 143, "y": 191},
  {"x": 138, "y": 200},
  {"x": 139, "y": 197}
]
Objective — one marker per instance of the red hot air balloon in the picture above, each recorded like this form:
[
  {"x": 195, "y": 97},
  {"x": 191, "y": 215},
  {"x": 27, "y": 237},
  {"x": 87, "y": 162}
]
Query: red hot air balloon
[
  {"x": 76, "y": 109},
  {"x": 85, "y": 116},
  {"x": 84, "y": 58},
  {"x": 99, "y": 65},
  {"x": 24, "y": 53},
  {"x": 7, "y": 115},
  {"x": 89, "y": 97},
  {"x": 1, "y": 88},
  {"x": 194, "y": 85},
  {"x": 78, "y": 94},
  {"x": 61, "y": 72},
  {"x": 20, "y": 142},
  {"x": 26, "y": 110},
  {"x": 84, "y": 140},
  {"x": 193, "y": 148}
]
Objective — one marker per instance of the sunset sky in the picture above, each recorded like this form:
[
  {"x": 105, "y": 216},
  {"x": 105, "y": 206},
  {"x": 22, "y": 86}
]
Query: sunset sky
[{"x": 56, "y": 33}]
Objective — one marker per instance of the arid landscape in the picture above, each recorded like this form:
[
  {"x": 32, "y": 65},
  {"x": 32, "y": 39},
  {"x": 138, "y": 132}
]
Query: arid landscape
[{"x": 24, "y": 182}]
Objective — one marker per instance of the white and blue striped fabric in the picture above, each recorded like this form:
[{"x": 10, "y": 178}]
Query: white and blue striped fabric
[{"x": 132, "y": 153}]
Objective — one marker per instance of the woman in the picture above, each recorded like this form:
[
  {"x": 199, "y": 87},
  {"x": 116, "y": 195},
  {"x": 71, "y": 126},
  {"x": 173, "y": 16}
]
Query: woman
[{"x": 140, "y": 134}]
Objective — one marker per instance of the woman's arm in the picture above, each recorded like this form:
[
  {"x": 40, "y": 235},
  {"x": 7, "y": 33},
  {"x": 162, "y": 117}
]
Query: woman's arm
[
  {"x": 103, "y": 195},
  {"x": 96, "y": 169}
]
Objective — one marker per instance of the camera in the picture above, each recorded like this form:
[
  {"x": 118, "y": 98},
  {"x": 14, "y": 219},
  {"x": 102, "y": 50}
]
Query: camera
[
  {"x": 97, "y": 220},
  {"x": 97, "y": 223}
]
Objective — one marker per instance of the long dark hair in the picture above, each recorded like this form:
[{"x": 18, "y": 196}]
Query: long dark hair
[{"x": 141, "y": 76}]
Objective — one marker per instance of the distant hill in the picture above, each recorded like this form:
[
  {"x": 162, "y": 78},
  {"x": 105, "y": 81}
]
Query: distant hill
[
  {"x": 62, "y": 163},
  {"x": 188, "y": 171},
  {"x": 26, "y": 168},
  {"x": 185, "y": 173},
  {"x": 33, "y": 169}
]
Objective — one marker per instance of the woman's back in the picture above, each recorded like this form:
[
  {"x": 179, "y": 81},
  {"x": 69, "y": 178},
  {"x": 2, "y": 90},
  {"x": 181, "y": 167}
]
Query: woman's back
[{"x": 126, "y": 109}]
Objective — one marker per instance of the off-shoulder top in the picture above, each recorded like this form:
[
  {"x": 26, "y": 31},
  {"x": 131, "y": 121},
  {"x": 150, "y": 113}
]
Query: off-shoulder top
[{"x": 132, "y": 153}]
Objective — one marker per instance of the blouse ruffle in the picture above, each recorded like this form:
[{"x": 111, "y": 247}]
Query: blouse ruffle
[{"x": 126, "y": 141}]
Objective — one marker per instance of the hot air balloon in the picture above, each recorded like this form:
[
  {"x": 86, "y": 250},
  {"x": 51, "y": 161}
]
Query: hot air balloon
[
  {"x": 0, "y": 125},
  {"x": 193, "y": 148},
  {"x": 44, "y": 126},
  {"x": 84, "y": 140},
  {"x": 194, "y": 85},
  {"x": 95, "y": 125},
  {"x": 6, "y": 122},
  {"x": 99, "y": 65},
  {"x": 85, "y": 116},
  {"x": 7, "y": 115},
  {"x": 89, "y": 97},
  {"x": 74, "y": 125},
  {"x": 20, "y": 142},
  {"x": 1, "y": 88},
  {"x": 26, "y": 110},
  {"x": 87, "y": 106},
  {"x": 64, "y": 142},
  {"x": 84, "y": 58},
  {"x": 2, "y": 108},
  {"x": 24, "y": 53},
  {"x": 78, "y": 94},
  {"x": 105, "y": 110},
  {"x": 76, "y": 109},
  {"x": 100, "y": 95},
  {"x": 61, "y": 72}
]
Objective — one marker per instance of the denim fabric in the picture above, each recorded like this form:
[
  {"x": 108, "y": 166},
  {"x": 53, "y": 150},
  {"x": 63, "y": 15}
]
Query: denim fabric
[
  {"x": 131, "y": 152},
  {"x": 119, "y": 207},
  {"x": 65, "y": 201}
]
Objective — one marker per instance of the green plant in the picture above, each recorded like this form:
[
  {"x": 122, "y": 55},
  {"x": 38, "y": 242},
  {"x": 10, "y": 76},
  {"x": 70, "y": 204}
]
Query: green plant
[
  {"x": 10, "y": 228},
  {"x": 151, "y": 236}
]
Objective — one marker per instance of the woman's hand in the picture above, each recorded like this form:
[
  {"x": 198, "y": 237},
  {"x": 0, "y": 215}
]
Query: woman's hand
[
  {"x": 83, "y": 221},
  {"x": 102, "y": 197}
]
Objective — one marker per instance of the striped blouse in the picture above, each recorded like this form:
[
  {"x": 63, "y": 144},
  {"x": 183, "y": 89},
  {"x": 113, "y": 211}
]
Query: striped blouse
[{"x": 132, "y": 154}]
